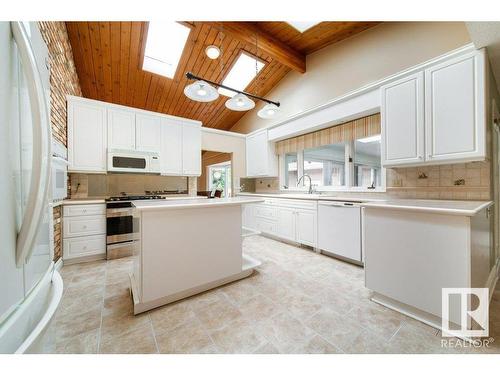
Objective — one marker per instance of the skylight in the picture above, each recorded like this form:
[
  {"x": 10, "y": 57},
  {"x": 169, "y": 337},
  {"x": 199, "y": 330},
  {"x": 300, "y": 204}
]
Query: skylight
[
  {"x": 302, "y": 25},
  {"x": 164, "y": 46},
  {"x": 241, "y": 74}
]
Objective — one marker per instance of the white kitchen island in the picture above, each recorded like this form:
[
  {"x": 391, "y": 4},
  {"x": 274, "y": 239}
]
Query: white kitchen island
[
  {"x": 186, "y": 247},
  {"x": 414, "y": 248}
]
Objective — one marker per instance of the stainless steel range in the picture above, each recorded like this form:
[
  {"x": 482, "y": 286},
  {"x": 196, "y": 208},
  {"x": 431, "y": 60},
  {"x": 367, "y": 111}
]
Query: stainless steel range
[{"x": 119, "y": 225}]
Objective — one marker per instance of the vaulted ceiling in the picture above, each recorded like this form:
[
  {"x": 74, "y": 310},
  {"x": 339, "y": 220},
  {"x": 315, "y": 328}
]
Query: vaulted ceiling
[{"x": 108, "y": 58}]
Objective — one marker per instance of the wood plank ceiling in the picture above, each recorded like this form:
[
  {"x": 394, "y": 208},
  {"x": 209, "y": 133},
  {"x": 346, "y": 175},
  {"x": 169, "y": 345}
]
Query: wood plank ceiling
[{"x": 108, "y": 59}]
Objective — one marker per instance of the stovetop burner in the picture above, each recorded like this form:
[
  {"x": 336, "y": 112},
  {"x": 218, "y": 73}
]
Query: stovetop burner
[{"x": 133, "y": 198}]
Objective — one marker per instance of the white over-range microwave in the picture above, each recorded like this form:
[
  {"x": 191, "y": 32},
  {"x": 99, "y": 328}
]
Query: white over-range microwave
[{"x": 133, "y": 161}]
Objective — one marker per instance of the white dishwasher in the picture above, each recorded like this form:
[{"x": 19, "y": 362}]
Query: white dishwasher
[{"x": 339, "y": 229}]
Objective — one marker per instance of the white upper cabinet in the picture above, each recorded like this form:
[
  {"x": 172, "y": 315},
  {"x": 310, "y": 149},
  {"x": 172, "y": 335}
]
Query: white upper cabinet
[
  {"x": 87, "y": 136},
  {"x": 260, "y": 156},
  {"x": 455, "y": 109},
  {"x": 147, "y": 132},
  {"x": 121, "y": 129},
  {"x": 436, "y": 115},
  {"x": 402, "y": 117},
  {"x": 191, "y": 150},
  {"x": 171, "y": 147}
]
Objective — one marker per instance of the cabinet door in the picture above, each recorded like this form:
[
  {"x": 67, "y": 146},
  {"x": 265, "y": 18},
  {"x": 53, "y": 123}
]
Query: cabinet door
[
  {"x": 402, "y": 121},
  {"x": 191, "y": 150},
  {"x": 286, "y": 223},
  {"x": 257, "y": 154},
  {"x": 171, "y": 147},
  {"x": 305, "y": 223},
  {"x": 455, "y": 109},
  {"x": 86, "y": 137},
  {"x": 147, "y": 132},
  {"x": 121, "y": 129}
]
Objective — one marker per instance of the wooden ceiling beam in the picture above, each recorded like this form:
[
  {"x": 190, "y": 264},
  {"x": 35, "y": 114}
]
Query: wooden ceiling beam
[{"x": 246, "y": 32}]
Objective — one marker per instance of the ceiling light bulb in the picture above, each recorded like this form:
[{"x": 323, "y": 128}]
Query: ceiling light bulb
[
  {"x": 268, "y": 111},
  {"x": 212, "y": 52},
  {"x": 239, "y": 102},
  {"x": 201, "y": 91}
]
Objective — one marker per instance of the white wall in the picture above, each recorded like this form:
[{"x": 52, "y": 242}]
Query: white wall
[
  {"x": 355, "y": 62},
  {"x": 226, "y": 142}
]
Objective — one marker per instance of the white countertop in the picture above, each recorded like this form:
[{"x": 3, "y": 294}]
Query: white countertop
[
  {"x": 316, "y": 197},
  {"x": 67, "y": 202},
  {"x": 192, "y": 203},
  {"x": 102, "y": 200},
  {"x": 461, "y": 208}
]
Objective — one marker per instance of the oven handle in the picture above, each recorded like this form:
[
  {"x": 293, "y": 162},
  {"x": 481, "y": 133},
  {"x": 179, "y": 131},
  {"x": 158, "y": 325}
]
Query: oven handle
[{"x": 118, "y": 212}]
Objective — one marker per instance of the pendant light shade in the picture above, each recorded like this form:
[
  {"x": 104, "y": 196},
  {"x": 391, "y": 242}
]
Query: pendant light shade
[
  {"x": 240, "y": 102},
  {"x": 269, "y": 111},
  {"x": 201, "y": 91}
]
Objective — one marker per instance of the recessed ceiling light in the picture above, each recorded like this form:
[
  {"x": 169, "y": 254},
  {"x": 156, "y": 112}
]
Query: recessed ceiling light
[
  {"x": 164, "y": 45},
  {"x": 212, "y": 52},
  {"x": 302, "y": 26}
]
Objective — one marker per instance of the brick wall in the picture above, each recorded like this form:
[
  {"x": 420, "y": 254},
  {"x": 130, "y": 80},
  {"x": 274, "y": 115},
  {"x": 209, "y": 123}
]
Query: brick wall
[{"x": 64, "y": 81}]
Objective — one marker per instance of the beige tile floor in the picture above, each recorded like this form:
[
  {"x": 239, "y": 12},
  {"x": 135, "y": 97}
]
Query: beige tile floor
[{"x": 296, "y": 302}]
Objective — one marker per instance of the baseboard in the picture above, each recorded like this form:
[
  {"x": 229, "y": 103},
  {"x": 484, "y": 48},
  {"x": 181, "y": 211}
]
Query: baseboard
[{"x": 85, "y": 259}]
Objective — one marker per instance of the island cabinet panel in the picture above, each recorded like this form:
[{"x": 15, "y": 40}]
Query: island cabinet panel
[
  {"x": 410, "y": 256},
  {"x": 180, "y": 251}
]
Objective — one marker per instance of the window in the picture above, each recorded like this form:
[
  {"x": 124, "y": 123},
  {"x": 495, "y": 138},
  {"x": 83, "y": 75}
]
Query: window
[
  {"x": 241, "y": 74},
  {"x": 302, "y": 26},
  {"x": 219, "y": 178},
  {"x": 351, "y": 165},
  {"x": 291, "y": 169},
  {"x": 367, "y": 164},
  {"x": 164, "y": 45},
  {"x": 326, "y": 165}
]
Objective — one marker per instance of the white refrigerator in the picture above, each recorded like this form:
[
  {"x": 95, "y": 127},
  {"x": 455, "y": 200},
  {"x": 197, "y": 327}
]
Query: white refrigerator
[{"x": 30, "y": 288}]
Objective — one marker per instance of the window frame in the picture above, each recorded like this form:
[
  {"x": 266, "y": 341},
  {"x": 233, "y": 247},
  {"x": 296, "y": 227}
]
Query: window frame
[{"x": 348, "y": 169}]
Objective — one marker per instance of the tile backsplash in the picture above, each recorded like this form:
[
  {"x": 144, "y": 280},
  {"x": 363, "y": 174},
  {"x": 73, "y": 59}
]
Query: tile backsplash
[
  {"x": 99, "y": 185},
  {"x": 465, "y": 181}
]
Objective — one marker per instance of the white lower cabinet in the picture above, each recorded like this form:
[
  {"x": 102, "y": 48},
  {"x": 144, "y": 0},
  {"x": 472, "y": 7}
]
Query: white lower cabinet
[
  {"x": 288, "y": 219},
  {"x": 84, "y": 232}
]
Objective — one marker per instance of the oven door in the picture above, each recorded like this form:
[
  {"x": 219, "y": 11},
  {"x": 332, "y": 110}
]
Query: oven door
[
  {"x": 119, "y": 224},
  {"x": 59, "y": 178},
  {"x": 128, "y": 163}
]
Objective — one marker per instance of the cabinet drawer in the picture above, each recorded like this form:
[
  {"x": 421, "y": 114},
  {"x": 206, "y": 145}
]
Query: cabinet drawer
[
  {"x": 84, "y": 209},
  {"x": 83, "y": 246},
  {"x": 266, "y": 226},
  {"x": 297, "y": 203},
  {"x": 84, "y": 226},
  {"x": 266, "y": 212}
]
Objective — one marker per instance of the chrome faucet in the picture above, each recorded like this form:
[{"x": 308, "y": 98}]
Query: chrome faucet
[{"x": 310, "y": 182}]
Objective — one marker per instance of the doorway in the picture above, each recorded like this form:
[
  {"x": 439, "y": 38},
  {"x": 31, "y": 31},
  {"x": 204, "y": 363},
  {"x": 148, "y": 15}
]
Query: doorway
[{"x": 216, "y": 179}]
